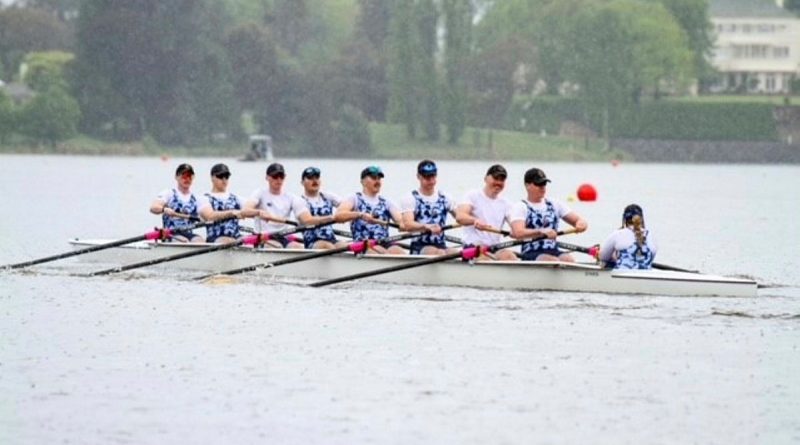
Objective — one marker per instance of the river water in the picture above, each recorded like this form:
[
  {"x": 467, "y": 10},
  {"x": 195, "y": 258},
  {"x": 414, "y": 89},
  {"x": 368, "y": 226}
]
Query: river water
[{"x": 151, "y": 358}]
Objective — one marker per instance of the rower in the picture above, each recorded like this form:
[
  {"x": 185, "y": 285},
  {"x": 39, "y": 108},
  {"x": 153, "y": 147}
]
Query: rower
[
  {"x": 537, "y": 216},
  {"x": 321, "y": 210},
  {"x": 484, "y": 212},
  {"x": 375, "y": 211},
  {"x": 426, "y": 209},
  {"x": 222, "y": 206},
  {"x": 275, "y": 208},
  {"x": 632, "y": 246},
  {"x": 178, "y": 206}
]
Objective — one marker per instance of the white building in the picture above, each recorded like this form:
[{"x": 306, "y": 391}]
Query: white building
[{"x": 757, "y": 46}]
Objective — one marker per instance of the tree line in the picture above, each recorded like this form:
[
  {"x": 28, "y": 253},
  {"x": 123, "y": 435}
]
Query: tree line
[{"x": 312, "y": 73}]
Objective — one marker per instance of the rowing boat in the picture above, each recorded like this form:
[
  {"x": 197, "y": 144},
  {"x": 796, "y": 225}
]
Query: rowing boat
[{"x": 535, "y": 275}]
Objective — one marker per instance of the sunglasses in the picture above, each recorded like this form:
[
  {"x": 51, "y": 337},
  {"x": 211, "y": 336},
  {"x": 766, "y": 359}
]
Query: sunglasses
[
  {"x": 277, "y": 176},
  {"x": 187, "y": 175},
  {"x": 223, "y": 176}
]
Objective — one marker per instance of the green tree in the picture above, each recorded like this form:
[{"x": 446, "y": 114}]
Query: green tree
[
  {"x": 65, "y": 10},
  {"x": 358, "y": 78},
  {"x": 47, "y": 69},
  {"x": 623, "y": 47},
  {"x": 351, "y": 130},
  {"x": 426, "y": 18},
  {"x": 50, "y": 117},
  {"x": 373, "y": 21},
  {"x": 693, "y": 17},
  {"x": 142, "y": 68},
  {"x": 7, "y": 116},
  {"x": 23, "y": 30},
  {"x": 458, "y": 17},
  {"x": 402, "y": 72},
  {"x": 291, "y": 23}
]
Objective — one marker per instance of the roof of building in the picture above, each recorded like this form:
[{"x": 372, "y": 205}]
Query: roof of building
[{"x": 747, "y": 9}]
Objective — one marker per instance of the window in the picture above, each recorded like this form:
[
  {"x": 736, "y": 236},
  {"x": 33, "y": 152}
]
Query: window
[
  {"x": 780, "y": 52},
  {"x": 770, "y": 84}
]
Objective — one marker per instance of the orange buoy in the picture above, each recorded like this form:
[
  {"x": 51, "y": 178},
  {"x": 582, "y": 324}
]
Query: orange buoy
[{"x": 587, "y": 192}]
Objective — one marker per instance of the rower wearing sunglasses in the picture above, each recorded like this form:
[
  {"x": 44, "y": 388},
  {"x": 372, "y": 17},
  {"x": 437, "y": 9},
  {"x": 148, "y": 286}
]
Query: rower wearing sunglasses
[
  {"x": 537, "y": 216},
  {"x": 223, "y": 207},
  {"x": 178, "y": 206},
  {"x": 275, "y": 207},
  {"x": 426, "y": 209},
  {"x": 375, "y": 211},
  {"x": 321, "y": 210}
]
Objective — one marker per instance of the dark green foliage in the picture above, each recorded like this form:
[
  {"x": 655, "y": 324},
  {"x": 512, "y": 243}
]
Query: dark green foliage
[
  {"x": 426, "y": 18},
  {"x": 351, "y": 131},
  {"x": 51, "y": 117},
  {"x": 358, "y": 78},
  {"x": 458, "y": 16},
  {"x": 373, "y": 21},
  {"x": 144, "y": 67},
  {"x": 23, "y": 30},
  {"x": 7, "y": 117},
  {"x": 290, "y": 21},
  {"x": 654, "y": 119},
  {"x": 792, "y": 5},
  {"x": 700, "y": 121}
]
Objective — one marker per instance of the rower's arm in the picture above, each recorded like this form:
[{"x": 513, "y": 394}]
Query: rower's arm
[
  {"x": 576, "y": 221},
  {"x": 464, "y": 215},
  {"x": 157, "y": 207}
]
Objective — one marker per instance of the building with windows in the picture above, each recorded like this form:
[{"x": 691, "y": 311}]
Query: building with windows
[{"x": 757, "y": 48}]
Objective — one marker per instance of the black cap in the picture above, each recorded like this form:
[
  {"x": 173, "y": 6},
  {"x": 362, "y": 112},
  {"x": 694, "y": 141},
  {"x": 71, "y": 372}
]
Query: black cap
[
  {"x": 497, "y": 171},
  {"x": 631, "y": 211},
  {"x": 184, "y": 168},
  {"x": 310, "y": 172},
  {"x": 427, "y": 168},
  {"x": 219, "y": 170},
  {"x": 372, "y": 170},
  {"x": 275, "y": 169},
  {"x": 536, "y": 176}
]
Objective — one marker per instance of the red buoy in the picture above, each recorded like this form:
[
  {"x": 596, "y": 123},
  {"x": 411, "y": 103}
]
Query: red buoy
[{"x": 587, "y": 192}]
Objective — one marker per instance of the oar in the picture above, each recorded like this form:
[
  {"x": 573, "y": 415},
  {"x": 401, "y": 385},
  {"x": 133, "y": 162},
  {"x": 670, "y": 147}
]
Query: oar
[
  {"x": 466, "y": 254},
  {"x": 253, "y": 240},
  {"x": 156, "y": 234},
  {"x": 594, "y": 252},
  {"x": 356, "y": 247}
]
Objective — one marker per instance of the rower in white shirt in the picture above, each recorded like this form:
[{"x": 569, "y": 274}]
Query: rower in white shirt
[
  {"x": 276, "y": 207},
  {"x": 483, "y": 210}
]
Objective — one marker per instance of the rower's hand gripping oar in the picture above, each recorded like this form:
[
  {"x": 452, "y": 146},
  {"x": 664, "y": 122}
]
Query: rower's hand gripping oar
[
  {"x": 255, "y": 240},
  {"x": 466, "y": 254},
  {"x": 357, "y": 247},
  {"x": 156, "y": 234}
]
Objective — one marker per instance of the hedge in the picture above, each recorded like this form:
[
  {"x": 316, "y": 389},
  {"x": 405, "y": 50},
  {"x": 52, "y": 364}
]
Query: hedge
[{"x": 653, "y": 120}]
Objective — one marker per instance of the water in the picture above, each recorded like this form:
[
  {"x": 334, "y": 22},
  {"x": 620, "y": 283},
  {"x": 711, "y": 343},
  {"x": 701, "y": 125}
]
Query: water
[{"x": 150, "y": 358}]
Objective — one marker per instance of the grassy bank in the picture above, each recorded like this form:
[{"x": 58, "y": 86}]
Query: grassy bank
[{"x": 389, "y": 142}]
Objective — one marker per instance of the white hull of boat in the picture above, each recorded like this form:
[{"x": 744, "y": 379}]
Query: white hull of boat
[{"x": 538, "y": 275}]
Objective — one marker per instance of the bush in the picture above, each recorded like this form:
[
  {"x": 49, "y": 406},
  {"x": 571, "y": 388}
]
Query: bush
[
  {"x": 740, "y": 121},
  {"x": 50, "y": 117},
  {"x": 351, "y": 132},
  {"x": 6, "y": 117}
]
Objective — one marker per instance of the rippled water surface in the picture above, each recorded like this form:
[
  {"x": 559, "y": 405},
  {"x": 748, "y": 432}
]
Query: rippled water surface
[{"x": 149, "y": 357}]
